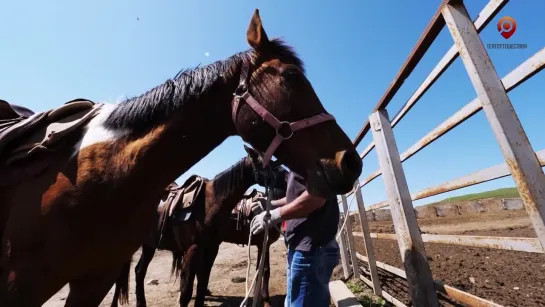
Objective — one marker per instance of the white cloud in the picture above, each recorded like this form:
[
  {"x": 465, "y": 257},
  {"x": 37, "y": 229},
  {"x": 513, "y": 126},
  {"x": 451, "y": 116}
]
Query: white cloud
[{"x": 207, "y": 54}]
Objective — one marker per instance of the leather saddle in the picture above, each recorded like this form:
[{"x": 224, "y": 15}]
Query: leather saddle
[
  {"x": 242, "y": 213},
  {"x": 24, "y": 134},
  {"x": 179, "y": 202}
]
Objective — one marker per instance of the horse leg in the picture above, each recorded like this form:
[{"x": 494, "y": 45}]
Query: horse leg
[
  {"x": 187, "y": 275},
  {"x": 203, "y": 274},
  {"x": 122, "y": 286},
  {"x": 266, "y": 276},
  {"x": 140, "y": 271},
  {"x": 258, "y": 260},
  {"x": 90, "y": 291},
  {"x": 178, "y": 257},
  {"x": 115, "y": 298}
]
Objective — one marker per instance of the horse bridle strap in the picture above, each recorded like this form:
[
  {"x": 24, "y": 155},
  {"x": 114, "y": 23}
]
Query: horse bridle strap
[{"x": 284, "y": 130}]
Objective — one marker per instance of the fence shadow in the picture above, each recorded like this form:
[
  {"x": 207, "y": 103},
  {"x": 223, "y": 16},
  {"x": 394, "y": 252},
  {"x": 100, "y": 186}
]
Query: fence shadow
[{"x": 234, "y": 301}]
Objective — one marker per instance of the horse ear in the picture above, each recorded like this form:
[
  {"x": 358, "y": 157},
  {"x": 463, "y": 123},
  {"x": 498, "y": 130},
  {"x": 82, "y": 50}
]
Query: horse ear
[
  {"x": 251, "y": 152},
  {"x": 256, "y": 36},
  {"x": 248, "y": 149}
]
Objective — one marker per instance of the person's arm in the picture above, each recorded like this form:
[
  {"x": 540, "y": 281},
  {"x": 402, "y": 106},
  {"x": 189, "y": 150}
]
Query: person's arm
[
  {"x": 301, "y": 206},
  {"x": 278, "y": 202}
]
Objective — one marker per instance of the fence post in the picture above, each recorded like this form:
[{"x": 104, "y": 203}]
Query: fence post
[
  {"x": 350, "y": 236},
  {"x": 342, "y": 247},
  {"x": 367, "y": 243},
  {"x": 514, "y": 145},
  {"x": 408, "y": 235}
]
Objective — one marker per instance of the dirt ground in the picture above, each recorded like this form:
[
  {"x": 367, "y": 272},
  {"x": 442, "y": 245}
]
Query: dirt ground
[
  {"x": 230, "y": 263},
  {"x": 505, "y": 277},
  {"x": 508, "y": 278}
]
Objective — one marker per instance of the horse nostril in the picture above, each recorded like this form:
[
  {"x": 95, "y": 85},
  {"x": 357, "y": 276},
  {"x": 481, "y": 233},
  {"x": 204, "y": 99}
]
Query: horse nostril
[{"x": 351, "y": 162}]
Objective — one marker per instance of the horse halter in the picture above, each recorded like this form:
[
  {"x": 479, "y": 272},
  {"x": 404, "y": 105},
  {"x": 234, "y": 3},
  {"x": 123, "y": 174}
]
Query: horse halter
[{"x": 284, "y": 130}]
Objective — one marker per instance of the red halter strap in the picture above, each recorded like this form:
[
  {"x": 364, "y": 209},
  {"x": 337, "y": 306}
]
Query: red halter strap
[{"x": 284, "y": 130}]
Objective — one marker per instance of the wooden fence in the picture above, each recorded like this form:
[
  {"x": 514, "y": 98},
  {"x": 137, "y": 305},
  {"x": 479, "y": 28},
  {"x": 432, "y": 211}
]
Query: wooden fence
[{"x": 521, "y": 162}]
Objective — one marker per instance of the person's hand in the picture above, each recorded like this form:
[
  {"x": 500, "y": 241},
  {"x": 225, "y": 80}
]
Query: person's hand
[
  {"x": 258, "y": 205},
  {"x": 258, "y": 223}
]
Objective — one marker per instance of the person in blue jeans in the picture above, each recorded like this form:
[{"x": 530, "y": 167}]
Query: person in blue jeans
[{"x": 309, "y": 224}]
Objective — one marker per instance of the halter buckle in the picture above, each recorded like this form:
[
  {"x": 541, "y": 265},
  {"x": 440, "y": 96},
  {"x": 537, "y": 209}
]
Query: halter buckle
[
  {"x": 240, "y": 90},
  {"x": 287, "y": 126}
]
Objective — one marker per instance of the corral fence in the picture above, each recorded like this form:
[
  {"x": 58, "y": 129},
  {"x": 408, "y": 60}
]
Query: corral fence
[{"x": 521, "y": 162}]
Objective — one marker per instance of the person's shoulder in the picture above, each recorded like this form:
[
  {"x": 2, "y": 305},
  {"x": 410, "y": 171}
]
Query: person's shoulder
[{"x": 293, "y": 176}]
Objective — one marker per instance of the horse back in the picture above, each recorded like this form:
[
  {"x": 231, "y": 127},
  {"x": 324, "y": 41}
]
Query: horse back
[{"x": 29, "y": 142}]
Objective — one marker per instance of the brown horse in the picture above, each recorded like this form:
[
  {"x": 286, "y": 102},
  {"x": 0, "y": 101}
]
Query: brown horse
[
  {"x": 204, "y": 231},
  {"x": 89, "y": 207},
  {"x": 238, "y": 233}
]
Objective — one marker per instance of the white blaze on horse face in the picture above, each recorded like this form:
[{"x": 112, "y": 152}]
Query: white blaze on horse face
[{"x": 95, "y": 132}]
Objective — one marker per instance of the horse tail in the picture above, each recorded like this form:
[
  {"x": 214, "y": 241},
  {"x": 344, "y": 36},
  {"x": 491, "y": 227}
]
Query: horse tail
[
  {"x": 122, "y": 283},
  {"x": 176, "y": 266}
]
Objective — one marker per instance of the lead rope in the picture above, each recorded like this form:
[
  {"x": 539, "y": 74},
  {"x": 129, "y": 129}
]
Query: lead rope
[
  {"x": 345, "y": 219},
  {"x": 258, "y": 277}
]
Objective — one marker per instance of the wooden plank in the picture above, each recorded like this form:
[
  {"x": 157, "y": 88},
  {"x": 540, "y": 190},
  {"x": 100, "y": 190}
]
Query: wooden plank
[
  {"x": 343, "y": 251},
  {"x": 529, "y": 245},
  {"x": 485, "y": 175},
  {"x": 341, "y": 295},
  {"x": 464, "y": 297},
  {"x": 434, "y": 27},
  {"x": 351, "y": 244},
  {"x": 512, "y": 139},
  {"x": 487, "y": 13},
  {"x": 410, "y": 242},
  {"x": 367, "y": 243},
  {"x": 380, "y": 205},
  {"x": 387, "y": 296},
  {"x": 459, "y": 295},
  {"x": 512, "y": 80},
  {"x": 386, "y": 267}
]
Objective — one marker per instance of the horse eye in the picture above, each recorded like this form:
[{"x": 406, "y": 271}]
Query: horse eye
[
  {"x": 290, "y": 75},
  {"x": 290, "y": 79}
]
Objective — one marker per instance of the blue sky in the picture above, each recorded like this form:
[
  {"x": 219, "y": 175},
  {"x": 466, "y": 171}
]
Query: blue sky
[{"x": 54, "y": 51}]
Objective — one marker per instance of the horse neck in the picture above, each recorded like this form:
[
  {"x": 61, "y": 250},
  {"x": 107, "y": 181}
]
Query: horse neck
[
  {"x": 229, "y": 186},
  {"x": 169, "y": 150}
]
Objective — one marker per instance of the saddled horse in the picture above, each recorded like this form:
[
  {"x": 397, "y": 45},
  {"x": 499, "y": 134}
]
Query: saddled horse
[
  {"x": 193, "y": 232},
  {"x": 238, "y": 230},
  {"x": 79, "y": 184}
]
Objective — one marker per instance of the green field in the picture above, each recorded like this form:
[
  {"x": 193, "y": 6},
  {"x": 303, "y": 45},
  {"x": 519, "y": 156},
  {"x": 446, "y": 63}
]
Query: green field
[{"x": 499, "y": 193}]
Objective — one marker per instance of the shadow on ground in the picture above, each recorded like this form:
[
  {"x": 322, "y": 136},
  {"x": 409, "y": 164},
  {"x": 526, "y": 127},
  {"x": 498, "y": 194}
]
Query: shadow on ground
[{"x": 234, "y": 301}]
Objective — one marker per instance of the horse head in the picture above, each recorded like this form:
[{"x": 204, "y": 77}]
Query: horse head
[{"x": 276, "y": 110}]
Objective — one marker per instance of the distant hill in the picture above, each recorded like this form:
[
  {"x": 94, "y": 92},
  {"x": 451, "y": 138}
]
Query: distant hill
[{"x": 499, "y": 193}]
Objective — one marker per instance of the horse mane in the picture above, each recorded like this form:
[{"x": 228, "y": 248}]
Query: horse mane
[
  {"x": 230, "y": 179},
  {"x": 156, "y": 105}
]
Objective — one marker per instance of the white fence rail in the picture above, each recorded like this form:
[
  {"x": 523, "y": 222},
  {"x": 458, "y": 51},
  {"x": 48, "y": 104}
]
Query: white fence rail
[{"x": 521, "y": 161}]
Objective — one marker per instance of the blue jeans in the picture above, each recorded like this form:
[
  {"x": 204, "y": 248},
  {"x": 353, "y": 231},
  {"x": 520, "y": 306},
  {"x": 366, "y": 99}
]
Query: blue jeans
[{"x": 308, "y": 275}]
